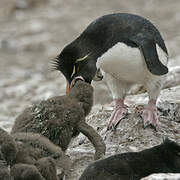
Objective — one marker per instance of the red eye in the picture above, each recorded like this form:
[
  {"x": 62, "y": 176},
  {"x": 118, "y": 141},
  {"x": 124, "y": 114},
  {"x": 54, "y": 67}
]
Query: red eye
[{"x": 77, "y": 68}]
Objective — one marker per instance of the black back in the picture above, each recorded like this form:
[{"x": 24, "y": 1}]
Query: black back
[
  {"x": 104, "y": 33},
  {"x": 108, "y": 30}
]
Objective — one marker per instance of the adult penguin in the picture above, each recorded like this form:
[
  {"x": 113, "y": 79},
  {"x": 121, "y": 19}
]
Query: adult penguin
[{"x": 127, "y": 49}]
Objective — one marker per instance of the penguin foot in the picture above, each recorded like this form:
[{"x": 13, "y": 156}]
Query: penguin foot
[
  {"x": 149, "y": 114},
  {"x": 118, "y": 114}
]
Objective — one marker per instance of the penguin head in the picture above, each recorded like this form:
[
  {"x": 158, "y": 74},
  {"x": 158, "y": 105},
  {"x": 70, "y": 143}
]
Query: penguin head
[
  {"x": 72, "y": 65},
  {"x": 65, "y": 62}
]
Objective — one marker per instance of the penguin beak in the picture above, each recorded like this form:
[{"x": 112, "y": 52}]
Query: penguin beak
[{"x": 67, "y": 87}]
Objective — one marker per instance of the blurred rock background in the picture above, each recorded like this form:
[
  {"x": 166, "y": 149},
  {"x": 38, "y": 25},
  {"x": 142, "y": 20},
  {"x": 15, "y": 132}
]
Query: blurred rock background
[{"x": 33, "y": 32}]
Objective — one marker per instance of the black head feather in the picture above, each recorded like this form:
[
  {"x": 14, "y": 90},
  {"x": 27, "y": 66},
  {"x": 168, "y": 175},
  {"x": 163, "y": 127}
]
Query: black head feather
[{"x": 65, "y": 61}]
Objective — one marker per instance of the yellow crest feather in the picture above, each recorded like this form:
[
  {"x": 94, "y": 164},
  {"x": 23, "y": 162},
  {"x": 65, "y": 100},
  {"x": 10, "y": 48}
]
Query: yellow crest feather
[{"x": 82, "y": 59}]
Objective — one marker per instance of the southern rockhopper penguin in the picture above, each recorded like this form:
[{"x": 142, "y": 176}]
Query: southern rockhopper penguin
[{"x": 128, "y": 50}]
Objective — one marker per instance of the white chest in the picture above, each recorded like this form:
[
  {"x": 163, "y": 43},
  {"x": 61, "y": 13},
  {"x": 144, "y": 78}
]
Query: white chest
[{"x": 125, "y": 63}]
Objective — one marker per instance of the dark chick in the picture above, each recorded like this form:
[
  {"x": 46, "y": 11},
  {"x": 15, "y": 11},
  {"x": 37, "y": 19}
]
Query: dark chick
[
  {"x": 47, "y": 168},
  {"x": 7, "y": 154},
  {"x": 33, "y": 147},
  {"x": 26, "y": 172},
  {"x": 4, "y": 172},
  {"x": 30, "y": 149},
  {"x": 7, "y": 147},
  {"x": 164, "y": 158},
  {"x": 61, "y": 118}
]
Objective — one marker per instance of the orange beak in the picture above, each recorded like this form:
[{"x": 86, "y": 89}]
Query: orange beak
[{"x": 67, "y": 87}]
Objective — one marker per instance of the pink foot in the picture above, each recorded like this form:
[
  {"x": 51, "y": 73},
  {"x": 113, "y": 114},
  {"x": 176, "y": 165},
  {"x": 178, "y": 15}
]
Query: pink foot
[
  {"x": 119, "y": 113},
  {"x": 149, "y": 114}
]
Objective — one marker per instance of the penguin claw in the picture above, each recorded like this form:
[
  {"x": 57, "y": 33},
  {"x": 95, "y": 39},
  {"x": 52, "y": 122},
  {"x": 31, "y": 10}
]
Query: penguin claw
[
  {"x": 113, "y": 127},
  {"x": 116, "y": 117},
  {"x": 145, "y": 125},
  {"x": 149, "y": 116},
  {"x": 150, "y": 124}
]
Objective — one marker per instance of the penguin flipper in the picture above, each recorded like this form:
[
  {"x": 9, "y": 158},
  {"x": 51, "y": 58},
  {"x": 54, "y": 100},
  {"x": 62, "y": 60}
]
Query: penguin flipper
[{"x": 148, "y": 48}]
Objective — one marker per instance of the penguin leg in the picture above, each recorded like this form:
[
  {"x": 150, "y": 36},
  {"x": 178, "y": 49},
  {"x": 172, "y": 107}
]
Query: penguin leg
[
  {"x": 120, "y": 111},
  {"x": 118, "y": 90},
  {"x": 149, "y": 114},
  {"x": 149, "y": 111}
]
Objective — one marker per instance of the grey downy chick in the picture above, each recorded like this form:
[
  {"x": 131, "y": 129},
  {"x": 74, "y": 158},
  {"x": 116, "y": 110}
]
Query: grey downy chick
[
  {"x": 32, "y": 147},
  {"x": 63, "y": 117},
  {"x": 26, "y": 172}
]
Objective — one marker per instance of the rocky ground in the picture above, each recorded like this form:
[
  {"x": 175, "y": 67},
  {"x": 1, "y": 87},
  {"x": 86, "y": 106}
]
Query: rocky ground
[
  {"x": 130, "y": 134},
  {"x": 33, "y": 32}
]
